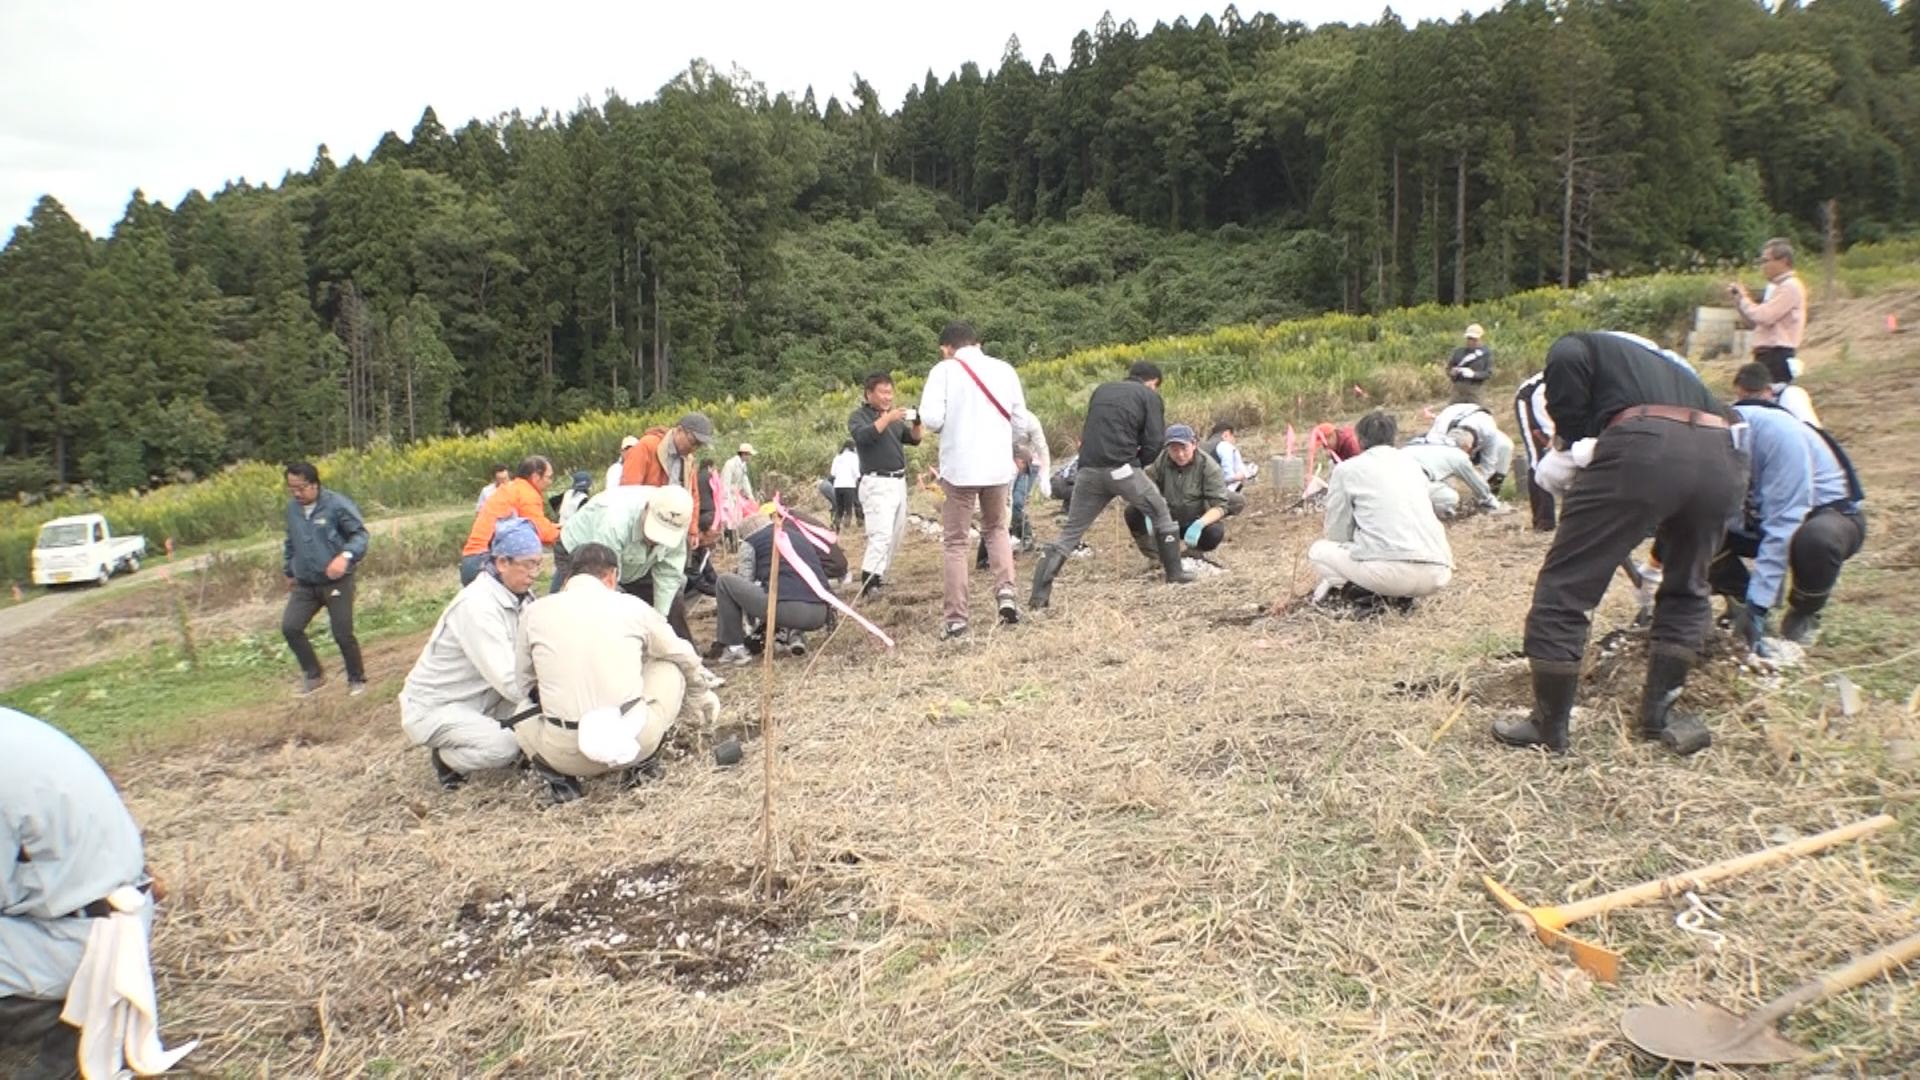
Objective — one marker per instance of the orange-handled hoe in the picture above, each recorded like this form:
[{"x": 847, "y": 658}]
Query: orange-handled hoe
[{"x": 1547, "y": 923}]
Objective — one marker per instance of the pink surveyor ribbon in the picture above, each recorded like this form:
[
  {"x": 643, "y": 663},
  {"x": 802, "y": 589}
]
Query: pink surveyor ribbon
[{"x": 822, "y": 539}]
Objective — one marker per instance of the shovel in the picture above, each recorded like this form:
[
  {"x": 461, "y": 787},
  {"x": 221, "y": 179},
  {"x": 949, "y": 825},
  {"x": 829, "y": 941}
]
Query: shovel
[{"x": 1710, "y": 1035}]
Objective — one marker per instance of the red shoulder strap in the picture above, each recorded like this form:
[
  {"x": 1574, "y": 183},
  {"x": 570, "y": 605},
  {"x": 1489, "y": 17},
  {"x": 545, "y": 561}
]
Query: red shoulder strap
[{"x": 964, "y": 366}]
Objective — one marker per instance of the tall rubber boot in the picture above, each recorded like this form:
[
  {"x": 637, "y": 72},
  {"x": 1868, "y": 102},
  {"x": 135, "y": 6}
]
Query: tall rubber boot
[
  {"x": 1043, "y": 575},
  {"x": 1683, "y": 733},
  {"x": 1802, "y": 621},
  {"x": 1555, "y": 684},
  {"x": 1170, "y": 561}
]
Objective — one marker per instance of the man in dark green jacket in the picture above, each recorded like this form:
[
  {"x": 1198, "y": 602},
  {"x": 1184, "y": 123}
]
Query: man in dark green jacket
[
  {"x": 326, "y": 539},
  {"x": 1196, "y": 492}
]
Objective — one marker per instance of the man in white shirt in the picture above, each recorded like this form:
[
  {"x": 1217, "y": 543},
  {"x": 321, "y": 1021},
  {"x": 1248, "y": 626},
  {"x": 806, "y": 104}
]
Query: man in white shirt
[
  {"x": 971, "y": 399},
  {"x": 1444, "y": 463},
  {"x": 464, "y": 683},
  {"x": 1491, "y": 450},
  {"x": 620, "y": 462},
  {"x": 1382, "y": 535},
  {"x": 501, "y": 474},
  {"x": 844, "y": 474},
  {"x": 591, "y": 648}
]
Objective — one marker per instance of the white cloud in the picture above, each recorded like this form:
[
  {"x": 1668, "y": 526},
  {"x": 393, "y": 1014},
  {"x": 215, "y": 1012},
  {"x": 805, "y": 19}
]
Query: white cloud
[{"x": 105, "y": 96}]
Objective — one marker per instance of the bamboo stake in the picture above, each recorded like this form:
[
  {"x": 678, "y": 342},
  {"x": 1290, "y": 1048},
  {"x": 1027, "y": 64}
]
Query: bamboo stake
[{"x": 766, "y": 708}]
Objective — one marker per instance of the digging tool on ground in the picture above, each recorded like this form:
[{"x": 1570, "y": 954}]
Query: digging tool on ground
[
  {"x": 1548, "y": 921},
  {"x": 1710, "y": 1035}
]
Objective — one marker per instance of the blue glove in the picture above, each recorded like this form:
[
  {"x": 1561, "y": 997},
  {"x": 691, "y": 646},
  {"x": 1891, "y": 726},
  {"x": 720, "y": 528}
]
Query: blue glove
[{"x": 1193, "y": 534}]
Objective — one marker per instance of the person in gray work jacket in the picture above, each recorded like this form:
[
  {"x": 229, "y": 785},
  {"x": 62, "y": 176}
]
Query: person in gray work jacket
[{"x": 326, "y": 541}]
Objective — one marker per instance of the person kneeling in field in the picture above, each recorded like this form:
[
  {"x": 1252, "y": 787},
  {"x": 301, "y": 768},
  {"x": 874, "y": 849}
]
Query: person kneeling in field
[
  {"x": 743, "y": 595},
  {"x": 1451, "y": 461},
  {"x": 610, "y": 676},
  {"x": 1382, "y": 535},
  {"x": 1195, "y": 488},
  {"x": 464, "y": 685}
]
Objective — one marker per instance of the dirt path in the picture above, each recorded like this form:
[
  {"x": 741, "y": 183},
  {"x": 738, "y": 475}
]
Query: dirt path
[{"x": 36, "y": 613}]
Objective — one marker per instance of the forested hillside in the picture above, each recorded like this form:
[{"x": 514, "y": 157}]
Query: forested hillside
[{"x": 718, "y": 238}]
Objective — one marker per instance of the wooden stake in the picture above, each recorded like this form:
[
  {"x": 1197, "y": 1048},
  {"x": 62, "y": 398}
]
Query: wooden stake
[{"x": 766, "y": 709}]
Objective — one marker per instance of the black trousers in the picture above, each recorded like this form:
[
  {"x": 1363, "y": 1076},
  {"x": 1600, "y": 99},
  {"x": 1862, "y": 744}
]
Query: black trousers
[
  {"x": 1674, "y": 480},
  {"x": 676, "y": 613},
  {"x": 1821, "y": 546},
  {"x": 1210, "y": 536},
  {"x": 846, "y": 506},
  {"x": 303, "y": 603}
]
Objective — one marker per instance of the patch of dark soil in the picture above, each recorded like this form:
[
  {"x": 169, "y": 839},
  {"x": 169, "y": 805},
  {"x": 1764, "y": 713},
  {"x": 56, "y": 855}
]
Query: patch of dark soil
[{"x": 701, "y": 928}]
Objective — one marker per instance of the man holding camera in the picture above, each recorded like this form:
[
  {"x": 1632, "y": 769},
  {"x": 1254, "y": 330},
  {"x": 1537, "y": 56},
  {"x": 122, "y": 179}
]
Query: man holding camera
[{"x": 881, "y": 433}]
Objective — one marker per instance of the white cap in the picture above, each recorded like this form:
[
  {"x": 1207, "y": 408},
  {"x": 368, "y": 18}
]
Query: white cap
[
  {"x": 629, "y": 442},
  {"x": 746, "y": 448},
  {"x": 1476, "y": 331}
]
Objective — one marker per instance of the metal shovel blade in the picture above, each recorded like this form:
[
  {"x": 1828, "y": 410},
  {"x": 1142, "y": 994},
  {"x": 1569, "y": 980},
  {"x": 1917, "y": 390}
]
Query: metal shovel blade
[{"x": 1707, "y": 1035}]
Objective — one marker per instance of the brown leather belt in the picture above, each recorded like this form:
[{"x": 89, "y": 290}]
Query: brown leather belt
[{"x": 1676, "y": 413}]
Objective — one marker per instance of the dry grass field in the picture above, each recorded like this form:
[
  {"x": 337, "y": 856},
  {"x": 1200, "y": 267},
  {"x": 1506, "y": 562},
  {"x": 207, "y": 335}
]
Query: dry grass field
[{"x": 1153, "y": 831}]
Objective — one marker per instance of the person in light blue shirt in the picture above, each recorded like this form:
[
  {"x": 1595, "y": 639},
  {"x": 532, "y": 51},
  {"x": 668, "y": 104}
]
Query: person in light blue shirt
[{"x": 1802, "y": 520}]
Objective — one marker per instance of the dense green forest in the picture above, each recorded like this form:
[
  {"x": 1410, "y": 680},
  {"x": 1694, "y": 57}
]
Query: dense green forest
[{"x": 717, "y": 239}]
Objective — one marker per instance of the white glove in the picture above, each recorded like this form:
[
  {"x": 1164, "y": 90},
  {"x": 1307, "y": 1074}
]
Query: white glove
[
  {"x": 1046, "y": 486},
  {"x": 704, "y": 679},
  {"x": 1582, "y": 452},
  {"x": 1555, "y": 472},
  {"x": 1462, "y": 373},
  {"x": 700, "y": 709}
]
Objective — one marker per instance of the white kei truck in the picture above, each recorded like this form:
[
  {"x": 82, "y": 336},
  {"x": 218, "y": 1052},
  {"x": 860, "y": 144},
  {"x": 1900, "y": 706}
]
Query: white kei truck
[{"x": 81, "y": 548}]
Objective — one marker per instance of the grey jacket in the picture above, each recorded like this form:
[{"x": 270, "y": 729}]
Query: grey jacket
[{"x": 313, "y": 540}]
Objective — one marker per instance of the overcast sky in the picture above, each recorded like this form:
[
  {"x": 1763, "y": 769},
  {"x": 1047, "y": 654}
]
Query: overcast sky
[{"x": 98, "y": 98}]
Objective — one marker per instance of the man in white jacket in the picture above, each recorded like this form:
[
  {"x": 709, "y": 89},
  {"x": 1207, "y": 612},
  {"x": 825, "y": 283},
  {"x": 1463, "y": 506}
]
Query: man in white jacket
[{"x": 971, "y": 400}]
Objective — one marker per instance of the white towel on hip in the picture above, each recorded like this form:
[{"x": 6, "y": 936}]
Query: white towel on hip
[{"x": 112, "y": 1000}]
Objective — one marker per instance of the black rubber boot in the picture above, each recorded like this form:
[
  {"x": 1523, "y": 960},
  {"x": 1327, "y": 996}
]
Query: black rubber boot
[
  {"x": 450, "y": 778},
  {"x": 1496, "y": 482},
  {"x": 1803, "y": 617},
  {"x": 1683, "y": 733},
  {"x": 642, "y": 773},
  {"x": 1555, "y": 685},
  {"x": 1144, "y": 541},
  {"x": 1043, "y": 575},
  {"x": 1170, "y": 561},
  {"x": 870, "y": 585},
  {"x": 560, "y": 787}
]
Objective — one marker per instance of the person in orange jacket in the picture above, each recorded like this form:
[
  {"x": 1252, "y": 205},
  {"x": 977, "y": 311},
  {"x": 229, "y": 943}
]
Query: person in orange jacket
[
  {"x": 523, "y": 496},
  {"x": 667, "y": 457}
]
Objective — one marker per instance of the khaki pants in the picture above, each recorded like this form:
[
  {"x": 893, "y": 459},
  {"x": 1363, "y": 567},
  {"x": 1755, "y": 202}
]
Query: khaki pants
[
  {"x": 1336, "y": 564},
  {"x": 664, "y": 687},
  {"x": 883, "y": 499},
  {"x": 956, "y": 554}
]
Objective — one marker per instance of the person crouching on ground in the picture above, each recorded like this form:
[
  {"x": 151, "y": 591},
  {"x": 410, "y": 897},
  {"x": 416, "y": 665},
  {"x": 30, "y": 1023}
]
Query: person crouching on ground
[
  {"x": 1124, "y": 433},
  {"x": 1195, "y": 488},
  {"x": 1223, "y": 445},
  {"x": 1452, "y": 462},
  {"x": 648, "y": 527},
  {"x": 743, "y": 595},
  {"x": 72, "y": 875},
  {"x": 1382, "y": 535},
  {"x": 464, "y": 684},
  {"x": 592, "y": 655}
]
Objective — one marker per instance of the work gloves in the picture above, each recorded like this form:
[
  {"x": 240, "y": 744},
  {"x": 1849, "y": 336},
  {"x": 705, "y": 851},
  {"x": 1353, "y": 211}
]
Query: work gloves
[
  {"x": 1751, "y": 624},
  {"x": 1192, "y": 535}
]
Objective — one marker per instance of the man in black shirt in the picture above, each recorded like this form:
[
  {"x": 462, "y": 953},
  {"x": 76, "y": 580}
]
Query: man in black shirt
[
  {"x": 1470, "y": 366},
  {"x": 880, "y": 433},
  {"x": 1125, "y": 431},
  {"x": 1665, "y": 462}
]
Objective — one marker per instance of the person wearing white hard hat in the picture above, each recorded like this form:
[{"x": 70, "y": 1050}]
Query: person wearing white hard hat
[{"x": 1471, "y": 365}]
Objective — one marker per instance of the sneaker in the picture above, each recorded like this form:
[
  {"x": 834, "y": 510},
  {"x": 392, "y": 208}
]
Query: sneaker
[
  {"x": 310, "y": 683},
  {"x": 734, "y": 656},
  {"x": 953, "y": 631},
  {"x": 355, "y": 689},
  {"x": 791, "y": 642},
  {"x": 450, "y": 778},
  {"x": 1009, "y": 611}
]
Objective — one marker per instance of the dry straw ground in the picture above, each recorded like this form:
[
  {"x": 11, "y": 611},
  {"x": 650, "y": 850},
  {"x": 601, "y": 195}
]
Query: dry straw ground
[{"x": 1154, "y": 831}]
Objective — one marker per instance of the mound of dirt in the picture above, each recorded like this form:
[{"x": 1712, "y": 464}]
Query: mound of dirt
[{"x": 697, "y": 927}]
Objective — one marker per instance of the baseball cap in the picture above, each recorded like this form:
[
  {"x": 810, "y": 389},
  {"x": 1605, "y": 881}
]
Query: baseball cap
[
  {"x": 1476, "y": 331},
  {"x": 1181, "y": 433},
  {"x": 669, "y": 512},
  {"x": 746, "y": 448},
  {"x": 698, "y": 426},
  {"x": 629, "y": 442}
]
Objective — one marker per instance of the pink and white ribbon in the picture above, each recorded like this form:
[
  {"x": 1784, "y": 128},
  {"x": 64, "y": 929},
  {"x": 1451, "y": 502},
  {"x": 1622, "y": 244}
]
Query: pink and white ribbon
[{"x": 822, "y": 539}]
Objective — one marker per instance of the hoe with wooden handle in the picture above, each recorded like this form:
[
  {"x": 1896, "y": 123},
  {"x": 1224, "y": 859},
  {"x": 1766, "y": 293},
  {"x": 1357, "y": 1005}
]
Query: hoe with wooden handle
[{"x": 1547, "y": 923}]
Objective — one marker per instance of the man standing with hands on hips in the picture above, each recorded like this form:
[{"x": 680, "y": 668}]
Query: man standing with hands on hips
[
  {"x": 881, "y": 431},
  {"x": 326, "y": 539},
  {"x": 971, "y": 399}
]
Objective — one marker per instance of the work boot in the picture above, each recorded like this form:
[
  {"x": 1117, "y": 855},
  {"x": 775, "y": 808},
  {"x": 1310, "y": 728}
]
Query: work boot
[
  {"x": 1144, "y": 541},
  {"x": 1170, "y": 561},
  {"x": 1802, "y": 623},
  {"x": 560, "y": 787},
  {"x": 1496, "y": 482},
  {"x": 641, "y": 773},
  {"x": 450, "y": 778},
  {"x": 1043, "y": 575},
  {"x": 1555, "y": 685},
  {"x": 1009, "y": 611},
  {"x": 1683, "y": 733},
  {"x": 870, "y": 585}
]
